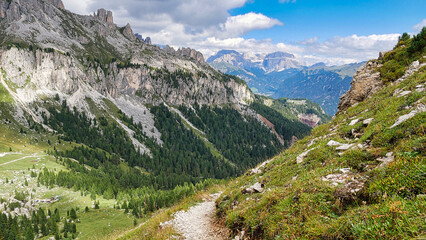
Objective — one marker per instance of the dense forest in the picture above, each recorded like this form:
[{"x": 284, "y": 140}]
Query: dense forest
[
  {"x": 105, "y": 161},
  {"x": 39, "y": 224},
  {"x": 108, "y": 164}
]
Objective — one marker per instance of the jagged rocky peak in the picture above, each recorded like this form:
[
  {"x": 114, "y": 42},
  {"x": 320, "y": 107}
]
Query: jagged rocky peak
[
  {"x": 128, "y": 32},
  {"x": 279, "y": 61},
  {"x": 186, "y": 52},
  {"x": 279, "y": 55},
  {"x": 147, "y": 40},
  {"x": 105, "y": 16},
  {"x": 189, "y": 52}
]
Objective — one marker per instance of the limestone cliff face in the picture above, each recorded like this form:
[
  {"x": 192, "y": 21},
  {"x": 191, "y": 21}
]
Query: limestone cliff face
[
  {"x": 366, "y": 82},
  {"x": 70, "y": 54}
]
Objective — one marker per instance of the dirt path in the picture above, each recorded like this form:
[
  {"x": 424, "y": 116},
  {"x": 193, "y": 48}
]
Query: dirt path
[
  {"x": 199, "y": 222},
  {"x": 30, "y": 156}
]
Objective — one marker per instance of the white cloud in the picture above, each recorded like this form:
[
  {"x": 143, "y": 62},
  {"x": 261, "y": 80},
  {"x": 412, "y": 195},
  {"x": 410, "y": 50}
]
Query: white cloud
[
  {"x": 287, "y": 1},
  {"x": 242, "y": 24},
  {"x": 77, "y": 6},
  {"x": 418, "y": 27}
]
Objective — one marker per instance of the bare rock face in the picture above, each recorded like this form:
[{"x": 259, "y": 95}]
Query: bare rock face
[
  {"x": 311, "y": 120},
  {"x": 128, "y": 32},
  {"x": 366, "y": 82},
  {"x": 3, "y": 7},
  {"x": 186, "y": 53},
  {"x": 191, "y": 53},
  {"x": 148, "y": 40},
  {"x": 105, "y": 16},
  {"x": 57, "y": 3},
  {"x": 14, "y": 10}
]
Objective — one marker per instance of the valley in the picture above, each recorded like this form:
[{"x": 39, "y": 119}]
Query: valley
[{"x": 104, "y": 135}]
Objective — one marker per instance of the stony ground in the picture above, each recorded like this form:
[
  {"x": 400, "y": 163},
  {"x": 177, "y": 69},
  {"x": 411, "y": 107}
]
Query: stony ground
[{"x": 198, "y": 222}]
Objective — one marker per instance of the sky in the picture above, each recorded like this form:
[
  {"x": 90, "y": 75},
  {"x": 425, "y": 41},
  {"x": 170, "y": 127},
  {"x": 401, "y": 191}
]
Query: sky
[{"x": 331, "y": 31}]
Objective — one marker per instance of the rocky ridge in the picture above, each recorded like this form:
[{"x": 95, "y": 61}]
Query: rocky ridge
[{"x": 53, "y": 58}]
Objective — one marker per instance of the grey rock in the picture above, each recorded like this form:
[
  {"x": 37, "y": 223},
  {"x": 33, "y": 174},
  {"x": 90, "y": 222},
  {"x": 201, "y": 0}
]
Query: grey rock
[
  {"x": 105, "y": 16},
  {"x": 333, "y": 143},
  {"x": 344, "y": 147},
  {"x": 366, "y": 82},
  {"x": 367, "y": 121},
  {"x": 419, "y": 109},
  {"x": 404, "y": 93},
  {"x": 301, "y": 157},
  {"x": 191, "y": 53},
  {"x": 386, "y": 160},
  {"x": 353, "y": 122},
  {"x": 148, "y": 40},
  {"x": 255, "y": 188},
  {"x": 128, "y": 32}
]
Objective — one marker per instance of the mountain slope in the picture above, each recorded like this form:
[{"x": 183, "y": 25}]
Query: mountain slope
[
  {"x": 117, "y": 123},
  {"x": 362, "y": 176}
]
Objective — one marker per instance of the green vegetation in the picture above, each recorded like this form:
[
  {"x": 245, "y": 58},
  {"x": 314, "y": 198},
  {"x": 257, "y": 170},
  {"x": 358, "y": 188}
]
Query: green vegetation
[
  {"x": 243, "y": 141},
  {"x": 406, "y": 51},
  {"x": 372, "y": 198},
  {"x": 284, "y": 127},
  {"x": 290, "y": 109}
]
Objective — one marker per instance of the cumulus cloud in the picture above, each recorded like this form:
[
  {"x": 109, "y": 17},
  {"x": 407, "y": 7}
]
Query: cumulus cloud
[
  {"x": 242, "y": 24},
  {"x": 418, "y": 27}
]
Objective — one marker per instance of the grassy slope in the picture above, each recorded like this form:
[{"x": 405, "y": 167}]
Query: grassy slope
[
  {"x": 28, "y": 154},
  {"x": 297, "y": 203}
]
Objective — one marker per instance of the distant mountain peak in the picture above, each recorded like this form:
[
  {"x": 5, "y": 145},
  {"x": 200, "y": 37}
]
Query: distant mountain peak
[
  {"x": 279, "y": 55},
  {"x": 320, "y": 64}
]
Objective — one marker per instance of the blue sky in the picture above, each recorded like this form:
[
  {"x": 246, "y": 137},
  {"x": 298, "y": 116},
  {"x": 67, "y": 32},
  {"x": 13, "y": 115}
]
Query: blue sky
[
  {"x": 305, "y": 19},
  {"x": 331, "y": 31}
]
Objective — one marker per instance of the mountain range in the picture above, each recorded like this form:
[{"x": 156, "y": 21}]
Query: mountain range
[{"x": 280, "y": 75}]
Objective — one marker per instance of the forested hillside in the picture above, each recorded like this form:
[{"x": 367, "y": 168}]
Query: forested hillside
[{"x": 97, "y": 123}]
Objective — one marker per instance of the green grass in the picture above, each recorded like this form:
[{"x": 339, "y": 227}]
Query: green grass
[
  {"x": 297, "y": 203},
  {"x": 5, "y": 97}
]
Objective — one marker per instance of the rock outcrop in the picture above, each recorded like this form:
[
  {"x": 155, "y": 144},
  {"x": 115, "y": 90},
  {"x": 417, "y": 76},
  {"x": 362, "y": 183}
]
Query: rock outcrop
[
  {"x": 191, "y": 53},
  {"x": 105, "y": 16},
  {"x": 366, "y": 82},
  {"x": 311, "y": 120},
  {"x": 185, "y": 53},
  {"x": 128, "y": 32},
  {"x": 88, "y": 56}
]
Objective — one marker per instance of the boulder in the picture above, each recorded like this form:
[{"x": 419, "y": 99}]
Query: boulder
[
  {"x": 420, "y": 108},
  {"x": 344, "y": 147},
  {"x": 299, "y": 159},
  {"x": 367, "y": 121},
  {"x": 333, "y": 143},
  {"x": 255, "y": 188},
  {"x": 353, "y": 122}
]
